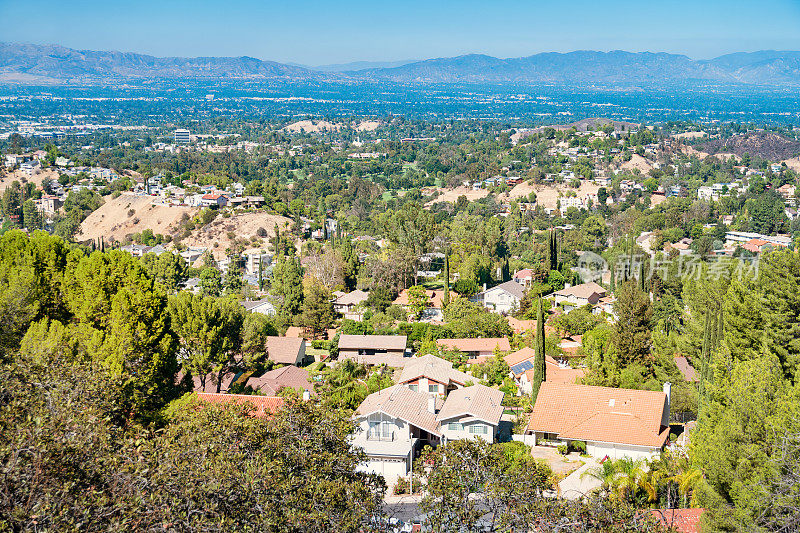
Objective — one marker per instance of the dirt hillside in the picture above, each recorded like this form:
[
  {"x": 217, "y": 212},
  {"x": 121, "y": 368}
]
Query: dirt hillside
[
  {"x": 130, "y": 214},
  {"x": 215, "y": 235}
]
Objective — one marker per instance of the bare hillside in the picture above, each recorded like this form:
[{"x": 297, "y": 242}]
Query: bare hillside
[
  {"x": 129, "y": 214},
  {"x": 220, "y": 233}
]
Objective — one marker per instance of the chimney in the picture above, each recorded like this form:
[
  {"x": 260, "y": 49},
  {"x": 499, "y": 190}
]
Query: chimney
[
  {"x": 484, "y": 287},
  {"x": 666, "y": 415},
  {"x": 432, "y": 404},
  {"x": 306, "y": 395},
  {"x": 668, "y": 392}
]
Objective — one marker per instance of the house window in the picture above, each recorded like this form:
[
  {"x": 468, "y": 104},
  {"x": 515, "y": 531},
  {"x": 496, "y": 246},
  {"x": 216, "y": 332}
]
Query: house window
[
  {"x": 415, "y": 388},
  {"x": 455, "y": 426},
  {"x": 433, "y": 388},
  {"x": 478, "y": 429}
]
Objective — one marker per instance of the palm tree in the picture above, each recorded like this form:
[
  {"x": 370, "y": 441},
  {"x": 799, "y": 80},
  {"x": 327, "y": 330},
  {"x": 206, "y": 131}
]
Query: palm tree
[{"x": 687, "y": 481}]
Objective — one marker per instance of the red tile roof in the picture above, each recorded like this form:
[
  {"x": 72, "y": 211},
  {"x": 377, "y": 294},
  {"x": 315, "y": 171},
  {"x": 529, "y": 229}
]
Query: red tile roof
[
  {"x": 476, "y": 345},
  {"x": 263, "y": 405},
  {"x": 600, "y": 414},
  {"x": 680, "y": 520}
]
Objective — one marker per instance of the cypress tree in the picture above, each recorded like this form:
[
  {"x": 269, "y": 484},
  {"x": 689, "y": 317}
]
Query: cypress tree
[
  {"x": 446, "y": 295},
  {"x": 539, "y": 367},
  {"x": 552, "y": 248}
]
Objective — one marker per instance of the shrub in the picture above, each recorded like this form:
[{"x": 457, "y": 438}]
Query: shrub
[
  {"x": 578, "y": 446},
  {"x": 401, "y": 487},
  {"x": 320, "y": 344},
  {"x": 562, "y": 449}
]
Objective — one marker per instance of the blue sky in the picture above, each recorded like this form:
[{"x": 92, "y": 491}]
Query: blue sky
[{"x": 315, "y": 32}]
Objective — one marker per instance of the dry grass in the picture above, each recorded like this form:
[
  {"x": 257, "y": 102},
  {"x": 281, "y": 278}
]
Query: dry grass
[
  {"x": 11, "y": 177},
  {"x": 129, "y": 214},
  {"x": 216, "y": 236},
  {"x": 547, "y": 195},
  {"x": 451, "y": 195}
]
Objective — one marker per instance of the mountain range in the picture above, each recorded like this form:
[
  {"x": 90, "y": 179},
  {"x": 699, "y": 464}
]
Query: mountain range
[{"x": 54, "y": 64}]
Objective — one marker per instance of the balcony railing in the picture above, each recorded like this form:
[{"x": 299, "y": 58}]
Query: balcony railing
[{"x": 383, "y": 436}]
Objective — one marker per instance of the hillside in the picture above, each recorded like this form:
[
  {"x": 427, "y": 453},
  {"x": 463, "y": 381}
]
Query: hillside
[
  {"x": 764, "y": 144},
  {"x": 220, "y": 233},
  {"x": 28, "y": 63},
  {"x": 128, "y": 214}
]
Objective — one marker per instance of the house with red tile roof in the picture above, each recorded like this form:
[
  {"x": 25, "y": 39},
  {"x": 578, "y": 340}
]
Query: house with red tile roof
[
  {"x": 263, "y": 406},
  {"x": 680, "y": 520},
  {"x": 477, "y": 350},
  {"x": 613, "y": 423},
  {"x": 291, "y": 377}
]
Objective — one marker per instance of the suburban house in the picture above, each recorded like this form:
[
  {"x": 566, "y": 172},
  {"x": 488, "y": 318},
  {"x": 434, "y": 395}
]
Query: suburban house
[
  {"x": 395, "y": 423},
  {"x": 471, "y": 413},
  {"x": 291, "y": 377},
  {"x": 51, "y": 203},
  {"x": 612, "y": 422},
  {"x": 477, "y": 349},
  {"x": 263, "y": 406},
  {"x": 435, "y": 302},
  {"x": 346, "y": 303},
  {"x": 288, "y": 351},
  {"x": 579, "y": 295},
  {"x": 374, "y": 349},
  {"x": 522, "y": 370},
  {"x": 524, "y": 277},
  {"x": 503, "y": 298},
  {"x": 262, "y": 306},
  {"x": 432, "y": 375},
  {"x": 214, "y": 200}
]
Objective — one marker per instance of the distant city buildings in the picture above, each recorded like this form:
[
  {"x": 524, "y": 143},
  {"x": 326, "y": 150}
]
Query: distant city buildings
[{"x": 182, "y": 136}]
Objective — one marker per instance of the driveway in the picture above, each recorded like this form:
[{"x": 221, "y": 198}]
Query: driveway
[{"x": 573, "y": 487}]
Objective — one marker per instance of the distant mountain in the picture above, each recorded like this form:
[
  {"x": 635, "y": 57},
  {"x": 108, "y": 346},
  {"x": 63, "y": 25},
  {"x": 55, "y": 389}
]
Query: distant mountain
[
  {"x": 363, "y": 65},
  {"x": 573, "y": 67},
  {"x": 587, "y": 67},
  {"x": 27, "y": 63}
]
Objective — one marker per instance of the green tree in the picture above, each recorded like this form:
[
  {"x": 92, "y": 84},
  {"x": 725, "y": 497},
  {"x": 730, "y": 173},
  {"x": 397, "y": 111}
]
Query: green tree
[
  {"x": 210, "y": 282},
  {"x": 210, "y": 333},
  {"x": 317, "y": 314},
  {"x": 539, "y": 365},
  {"x": 633, "y": 327},
  {"x": 461, "y": 469},
  {"x": 418, "y": 300},
  {"x": 31, "y": 217},
  {"x": 287, "y": 285}
]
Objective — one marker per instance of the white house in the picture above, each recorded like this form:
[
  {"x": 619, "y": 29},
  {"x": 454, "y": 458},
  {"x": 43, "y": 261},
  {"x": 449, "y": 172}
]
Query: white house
[
  {"x": 262, "y": 306},
  {"x": 613, "y": 423},
  {"x": 433, "y": 375},
  {"x": 503, "y": 298},
  {"x": 579, "y": 295},
  {"x": 394, "y": 423}
]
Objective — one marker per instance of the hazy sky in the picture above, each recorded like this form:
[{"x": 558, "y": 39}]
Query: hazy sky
[{"x": 319, "y": 32}]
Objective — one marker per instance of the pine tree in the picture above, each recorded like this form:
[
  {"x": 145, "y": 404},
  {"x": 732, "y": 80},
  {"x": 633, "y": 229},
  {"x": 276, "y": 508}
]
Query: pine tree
[{"x": 539, "y": 366}]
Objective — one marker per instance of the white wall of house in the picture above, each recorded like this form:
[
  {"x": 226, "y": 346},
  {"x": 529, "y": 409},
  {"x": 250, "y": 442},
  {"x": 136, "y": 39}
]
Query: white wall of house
[
  {"x": 598, "y": 450},
  {"x": 427, "y": 386},
  {"x": 390, "y": 468},
  {"x": 456, "y": 429},
  {"x": 618, "y": 451},
  {"x": 499, "y": 301}
]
